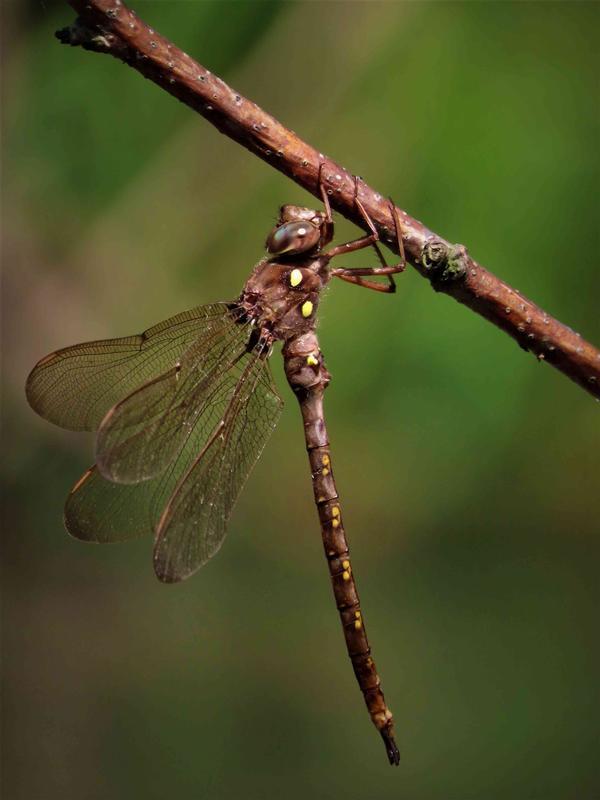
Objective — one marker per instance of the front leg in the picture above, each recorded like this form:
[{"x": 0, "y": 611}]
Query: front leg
[
  {"x": 356, "y": 244},
  {"x": 354, "y": 275}
]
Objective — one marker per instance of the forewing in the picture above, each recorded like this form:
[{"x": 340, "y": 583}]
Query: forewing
[
  {"x": 76, "y": 386},
  {"x": 193, "y": 522},
  {"x": 143, "y": 433}
]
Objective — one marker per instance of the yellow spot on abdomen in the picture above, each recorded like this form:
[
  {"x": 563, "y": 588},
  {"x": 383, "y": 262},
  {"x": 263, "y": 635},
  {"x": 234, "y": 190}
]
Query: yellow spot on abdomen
[
  {"x": 335, "y": 523},
  {"x": 345, "y": 564},
  {"x": 346, "y": 575},
  {"x": 335, "y": 511},
  {"x": 325, "y": 460},
  {"x": 312, "y": 361},
  {"x": 295, "y": 277},
  {"x": 307, "y": 308}
]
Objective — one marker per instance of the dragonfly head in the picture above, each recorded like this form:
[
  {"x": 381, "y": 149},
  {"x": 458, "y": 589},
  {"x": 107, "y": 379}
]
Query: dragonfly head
[{"x": 299, "y": 230}]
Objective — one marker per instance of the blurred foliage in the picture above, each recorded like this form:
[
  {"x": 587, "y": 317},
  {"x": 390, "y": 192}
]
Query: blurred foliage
[{"x": 469, "y": 473}]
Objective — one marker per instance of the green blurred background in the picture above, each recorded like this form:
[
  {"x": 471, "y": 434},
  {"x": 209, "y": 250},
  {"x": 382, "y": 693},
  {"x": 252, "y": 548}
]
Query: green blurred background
[{"x": 468, "y": 472}]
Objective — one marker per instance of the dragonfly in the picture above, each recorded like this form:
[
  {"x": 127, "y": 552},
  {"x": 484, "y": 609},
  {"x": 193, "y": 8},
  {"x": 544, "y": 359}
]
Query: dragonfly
[{"x": 183, "y": 411}]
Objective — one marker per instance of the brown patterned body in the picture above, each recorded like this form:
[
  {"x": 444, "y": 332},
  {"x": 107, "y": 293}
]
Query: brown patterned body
[
  {"x": 183, "y": 410},
  {"x": 281, "y": 298},
  {"x": 308, "y": 378}
]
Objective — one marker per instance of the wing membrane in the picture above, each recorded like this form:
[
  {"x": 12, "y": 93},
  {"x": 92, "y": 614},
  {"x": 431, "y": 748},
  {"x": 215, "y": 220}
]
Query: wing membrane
[
  {"x": 76, "y": 386},
  {"x": 190, "y": 502},
  {"x": 193, "y": 523},
  {"x": 100, "y": 511},
  {"x": 142, "y": 433}
]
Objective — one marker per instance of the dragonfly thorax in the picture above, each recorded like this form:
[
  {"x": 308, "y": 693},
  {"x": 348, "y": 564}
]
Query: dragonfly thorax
[{"x": 282, "y": 297}]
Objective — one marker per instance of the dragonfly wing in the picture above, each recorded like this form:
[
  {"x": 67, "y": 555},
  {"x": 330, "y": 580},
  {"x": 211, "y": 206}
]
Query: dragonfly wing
[
  {"x": 76, "y": 386},
  {"x": 143, "y": 433},
  {"x": 192, "y": 524},
  {"x": 100, "y": 511}
]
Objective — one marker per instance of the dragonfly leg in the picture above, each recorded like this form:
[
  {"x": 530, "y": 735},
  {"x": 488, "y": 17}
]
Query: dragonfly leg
[
  {"x": 324, "y": 197},
  {"x": 328, "y": 231},
  {"x": 401, "y": 265},
  {"x": 350, "y": 276},
  {"x": 356, "y": 244},
  {"x": 355, "y": 275}
]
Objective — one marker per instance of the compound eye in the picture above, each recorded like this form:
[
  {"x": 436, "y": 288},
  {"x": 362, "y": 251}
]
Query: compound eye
[{"x": 293, "y": 237}]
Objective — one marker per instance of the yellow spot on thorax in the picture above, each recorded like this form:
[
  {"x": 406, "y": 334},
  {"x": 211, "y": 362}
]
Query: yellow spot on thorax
[
  {"x": 307, "y": 308},
  {"x": 295, "y": 277},
  {"x": 311, "y": 360}
]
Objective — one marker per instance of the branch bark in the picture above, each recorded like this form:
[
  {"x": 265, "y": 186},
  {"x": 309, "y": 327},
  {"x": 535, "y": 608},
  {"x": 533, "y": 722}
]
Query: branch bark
[{"x": 108, "y": 26}]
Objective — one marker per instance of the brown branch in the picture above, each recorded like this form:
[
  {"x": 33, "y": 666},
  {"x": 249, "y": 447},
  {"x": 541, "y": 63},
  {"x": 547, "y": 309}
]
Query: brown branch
[{"x": 108, "y": 26}]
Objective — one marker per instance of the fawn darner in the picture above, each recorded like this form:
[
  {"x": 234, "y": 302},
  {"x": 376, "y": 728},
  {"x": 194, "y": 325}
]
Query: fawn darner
[{"x": 183, "y": 411}]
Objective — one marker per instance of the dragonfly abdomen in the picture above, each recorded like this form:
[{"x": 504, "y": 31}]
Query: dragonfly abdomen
[{"x": 308, "y": 377}]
